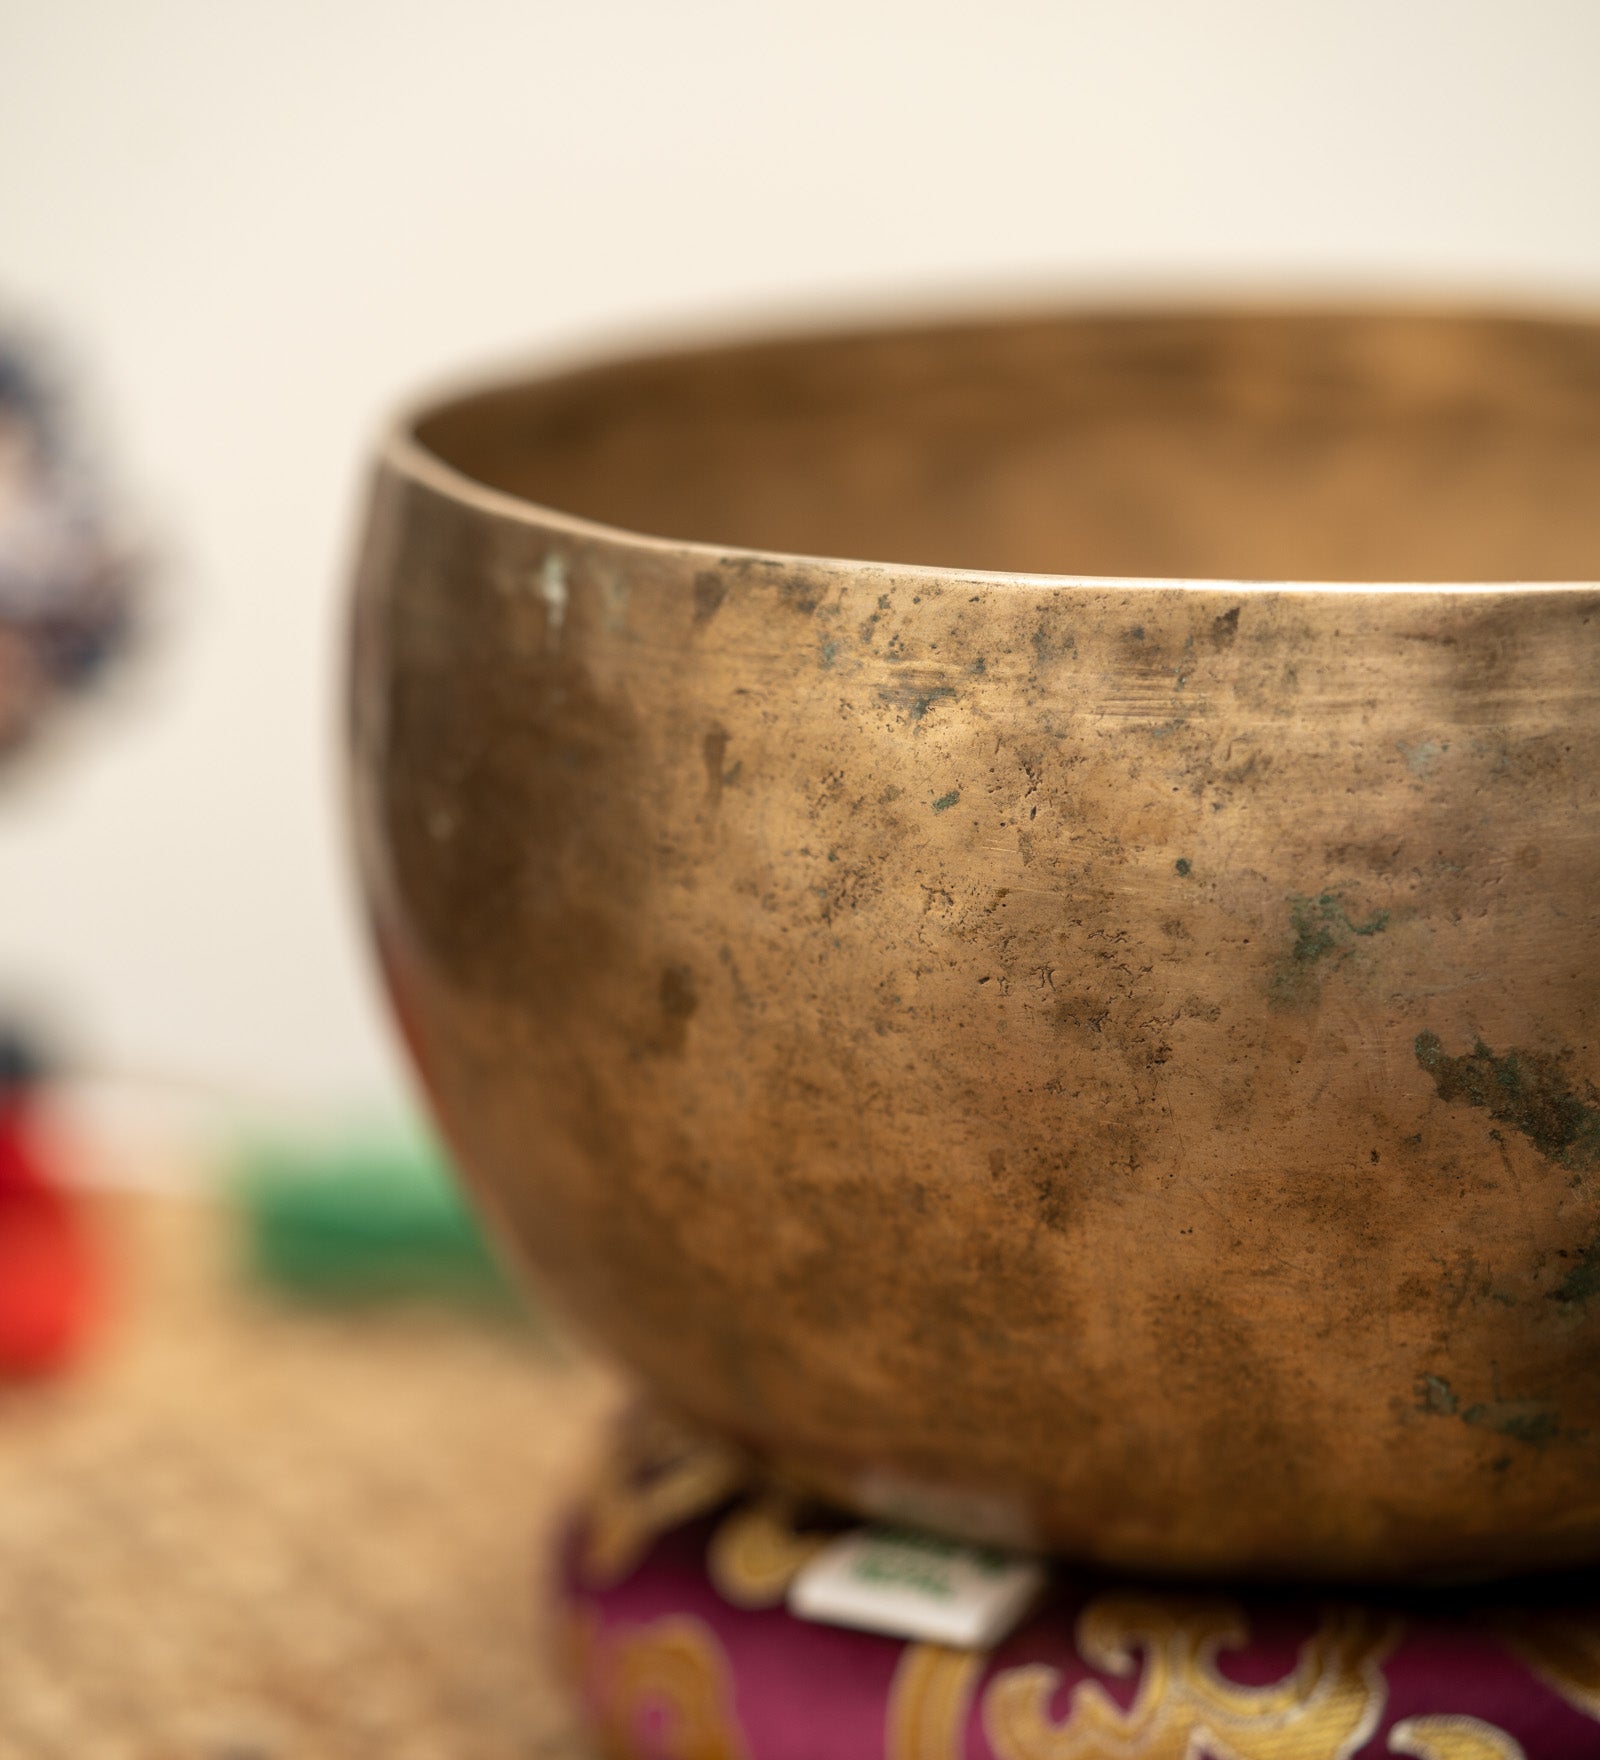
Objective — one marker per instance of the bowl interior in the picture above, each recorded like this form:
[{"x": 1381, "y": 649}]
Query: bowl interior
[{"x": 1310, "y": 445}]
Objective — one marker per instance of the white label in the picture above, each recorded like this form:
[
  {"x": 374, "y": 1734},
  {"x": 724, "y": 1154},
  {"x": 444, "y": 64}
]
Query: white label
[{"x": 912, "y": 1585}]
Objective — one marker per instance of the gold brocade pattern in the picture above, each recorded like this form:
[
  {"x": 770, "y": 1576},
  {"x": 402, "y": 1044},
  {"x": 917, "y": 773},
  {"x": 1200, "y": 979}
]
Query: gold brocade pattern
[
  {"x": 757, "y": 1550},
  {"x": 929, "y": 1701},
  {"x": 1185, "y": 1709},
  {"x": 1563, "y": 1649},
  {"x": 1453, "y": 1738},
  {"x": 659, "y": 1477},
  {"x": 673, "y": 1668}
]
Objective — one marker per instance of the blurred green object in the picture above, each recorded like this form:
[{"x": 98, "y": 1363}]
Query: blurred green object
[{"x": 363, "y": 1217}]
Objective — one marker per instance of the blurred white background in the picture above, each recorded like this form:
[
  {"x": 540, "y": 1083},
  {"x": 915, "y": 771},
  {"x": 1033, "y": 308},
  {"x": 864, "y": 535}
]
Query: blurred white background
[{"x": 257, "y": 225}]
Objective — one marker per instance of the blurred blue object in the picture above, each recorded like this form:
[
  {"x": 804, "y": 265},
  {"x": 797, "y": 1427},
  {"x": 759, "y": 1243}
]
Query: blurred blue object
[{"x": 67, "y": 580}]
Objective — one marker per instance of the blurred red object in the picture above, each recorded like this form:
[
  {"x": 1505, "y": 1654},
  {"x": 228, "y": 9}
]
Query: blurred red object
[
  {"x": 67, "y": 580},
  {"x": 48, "y": 1274}
]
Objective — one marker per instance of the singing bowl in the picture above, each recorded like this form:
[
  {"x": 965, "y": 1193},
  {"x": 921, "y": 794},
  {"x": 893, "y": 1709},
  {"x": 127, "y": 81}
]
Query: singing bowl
[{"x": 1078, "y": 1026}]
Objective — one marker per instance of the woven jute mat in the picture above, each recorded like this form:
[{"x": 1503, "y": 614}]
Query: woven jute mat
[{"x": 246, "y": 1530}]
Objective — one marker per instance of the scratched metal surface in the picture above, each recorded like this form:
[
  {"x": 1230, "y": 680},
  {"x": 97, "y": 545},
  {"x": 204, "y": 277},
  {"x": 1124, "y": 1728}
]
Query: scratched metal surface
[{"x": 1099, "y": 1062}]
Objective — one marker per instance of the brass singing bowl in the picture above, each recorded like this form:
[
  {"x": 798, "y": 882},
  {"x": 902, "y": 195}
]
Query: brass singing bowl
[{"x": 1074, "y": 1028}]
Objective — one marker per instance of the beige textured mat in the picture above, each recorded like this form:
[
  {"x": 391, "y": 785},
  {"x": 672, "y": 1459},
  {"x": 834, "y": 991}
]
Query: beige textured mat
[{"x": 249, "y": 1531}]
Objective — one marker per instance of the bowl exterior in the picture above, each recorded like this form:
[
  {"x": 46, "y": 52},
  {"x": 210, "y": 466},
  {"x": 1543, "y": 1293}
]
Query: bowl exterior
[{"x": 1101, "y": 1065}]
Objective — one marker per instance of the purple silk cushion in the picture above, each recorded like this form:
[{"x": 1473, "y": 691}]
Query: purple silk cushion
[{"x": 674, "y": 1584}]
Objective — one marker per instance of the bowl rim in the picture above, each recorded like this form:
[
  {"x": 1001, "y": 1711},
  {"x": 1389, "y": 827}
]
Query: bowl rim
[{"x": 403, "y": 453}]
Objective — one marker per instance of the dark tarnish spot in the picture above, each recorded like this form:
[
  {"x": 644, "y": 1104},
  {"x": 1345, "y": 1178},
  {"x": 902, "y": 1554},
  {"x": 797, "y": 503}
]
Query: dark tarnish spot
[
  {"x": 1225, "y": 627},
  {"x": 1184, "y": 866},
  {"x": 1048, "y": 646},
  {"x": 915, "y": 700},
  {"x": 1323, "y": 931},
  {"x": 679, "y": 999},
  {"x": 1524, "y": 1420},
  {"x": 710, "y": 589},
  {"x": 714, "y": 749},
  {"x": 1529, "y": 1091},
  {"x": 1054, "y": 1199},
  {"x": 923, "y": 701},
  {"x": 1089, "y": 1014},
  {"x": 800, "y": 594}
]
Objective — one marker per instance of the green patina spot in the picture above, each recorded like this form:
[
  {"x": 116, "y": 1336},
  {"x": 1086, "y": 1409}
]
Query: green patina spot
[
  {"x": 1524, "y": 1420},
  {"x": 1184, "y": 865},
  {"x": 1436, "y": 1395},
  {"x": 1323, "y": 930},
  {"x": 1583, "y": 1280},
  {"x": 924, "y": 700},
  {"x": 1421, "y": 757},
  {"x": 915, "y": 700},
  {"x": 826, "y": 654},
  {"x": 1529, "y": 1091},
  {"x": 946, "y": 801}
]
